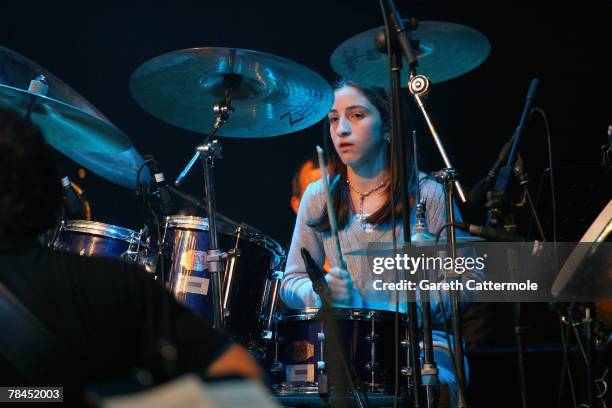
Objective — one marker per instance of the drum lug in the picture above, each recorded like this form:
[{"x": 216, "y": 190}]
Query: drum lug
[
  {"x": 233, "y": 252},
  {"x": 53, "y": 243},
  {"x": 404, "y": 343},
  {"x": 266, "y": 334},
  {"x": 320, "y": 365},
  {"x": 406, "y": 371},
  {"x": 277, "y": 367},
  {"x": 372, "y": 338},
  {"x": 321, "y": 336},
  {"x": 373, "y": 367},
  {"x": 277, "y": 275}
]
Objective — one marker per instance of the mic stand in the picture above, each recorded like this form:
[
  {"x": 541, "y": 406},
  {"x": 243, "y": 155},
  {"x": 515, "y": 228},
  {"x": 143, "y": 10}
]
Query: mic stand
[
  {"x": 395, "y": 45},
  {"x": 333, "y": 337},
  {"x": 499, "y": 213},
  {"x": 419, "y": 86},
  {"x": 448, "y": 178},
  {"x": 431, "y": 381},
  {"x": 208, "y": 151}
]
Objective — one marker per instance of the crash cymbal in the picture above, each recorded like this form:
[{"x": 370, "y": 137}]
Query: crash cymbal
[
  {"x": 386, "y": 249},
  {"x": 66, "y": 119},
  {"x": 120, "y": 168},
  {"x": 69, "y": 123},
  {"x": 274, "y": 95},
  {"x": 445, "y": 51}
]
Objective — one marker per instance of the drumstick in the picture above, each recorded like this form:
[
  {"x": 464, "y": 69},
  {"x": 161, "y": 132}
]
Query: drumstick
[{"x": 333, "y": 225}]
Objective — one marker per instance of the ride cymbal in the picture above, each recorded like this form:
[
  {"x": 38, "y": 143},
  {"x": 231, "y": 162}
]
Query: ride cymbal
[{"x": 444, "y": 51}]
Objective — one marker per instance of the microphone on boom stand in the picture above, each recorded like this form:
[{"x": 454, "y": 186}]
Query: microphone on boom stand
[{"x": 343, "y": 370}]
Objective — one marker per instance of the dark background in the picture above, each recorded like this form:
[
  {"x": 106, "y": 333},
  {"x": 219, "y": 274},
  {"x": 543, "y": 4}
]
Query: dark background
[{"x": 95, "y": 47}]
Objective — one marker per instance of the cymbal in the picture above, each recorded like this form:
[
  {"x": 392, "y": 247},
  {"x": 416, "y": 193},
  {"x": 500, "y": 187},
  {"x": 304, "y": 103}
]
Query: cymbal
[
  {"x": 120, "y": 168},
  {"x": 275, "y": 96},
  {"x": 68, "y": 121},
  {"x": 445, "y": 51},
  {"x": 386, "y": 249}
]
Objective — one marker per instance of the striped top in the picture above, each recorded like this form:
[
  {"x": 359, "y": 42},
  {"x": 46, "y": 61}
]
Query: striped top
[{"x": 296, "y": 288}]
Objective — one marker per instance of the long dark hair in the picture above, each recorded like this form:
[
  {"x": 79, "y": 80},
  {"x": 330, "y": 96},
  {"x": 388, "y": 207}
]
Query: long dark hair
[{"x": 340, "y": 194}]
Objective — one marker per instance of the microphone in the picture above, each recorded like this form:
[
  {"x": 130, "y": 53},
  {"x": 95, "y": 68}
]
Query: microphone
[
  {"x": 166, "y": 201},
  {"x": 73, "y": 208},
  {"x": 498, "y": 195},
  {"x": 316, "y": 275},
  {"x": 479, "y": 191}
]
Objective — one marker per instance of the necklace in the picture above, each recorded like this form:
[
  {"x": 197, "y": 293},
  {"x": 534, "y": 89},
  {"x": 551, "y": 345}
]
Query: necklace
[{"x": 362, "y": 197}]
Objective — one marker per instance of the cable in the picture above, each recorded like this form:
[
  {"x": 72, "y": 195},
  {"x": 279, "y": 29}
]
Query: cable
[
  {"x": 565, "y": 367},
  {"x": 550, "y": 166},
  {"x": 144, "y": 163},
  {"x": 149, "y": 211}
]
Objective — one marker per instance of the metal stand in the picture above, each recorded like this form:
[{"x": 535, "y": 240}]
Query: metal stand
[
  {"x": 419, "y": 85},
  {"x": 208, "y": 151},
  {"x": 583, "y": 331},
  {"x": 420, "y": 233},
  {"x": 500, "y": 215},
  {"x": 449, "y": 180},
  {"x": 397, "y": 45}
]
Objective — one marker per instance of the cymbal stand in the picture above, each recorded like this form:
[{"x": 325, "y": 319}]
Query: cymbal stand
[
  {"x": 419, "y": 86},
  {"x": 208, "y": 151}
]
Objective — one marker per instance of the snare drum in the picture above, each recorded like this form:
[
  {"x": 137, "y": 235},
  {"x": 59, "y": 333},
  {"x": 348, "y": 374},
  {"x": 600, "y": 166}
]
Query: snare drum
[
  {"x": 90, "y": 238},
  {"x": 250, "y": 278},
  {"x": 368, "y": 338}
]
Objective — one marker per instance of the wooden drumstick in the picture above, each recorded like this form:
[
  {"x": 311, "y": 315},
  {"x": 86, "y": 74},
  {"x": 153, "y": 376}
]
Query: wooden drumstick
[{"x": 330, "y": 208}]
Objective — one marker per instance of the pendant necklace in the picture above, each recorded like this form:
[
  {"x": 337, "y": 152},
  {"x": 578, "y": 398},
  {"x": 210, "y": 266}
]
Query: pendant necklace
[{"x": 362, "y": 197}]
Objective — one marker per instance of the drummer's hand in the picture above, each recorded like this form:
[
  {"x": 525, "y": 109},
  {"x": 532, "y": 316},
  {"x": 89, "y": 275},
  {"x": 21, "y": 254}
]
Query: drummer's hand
[{"x": 341, "y": 285}]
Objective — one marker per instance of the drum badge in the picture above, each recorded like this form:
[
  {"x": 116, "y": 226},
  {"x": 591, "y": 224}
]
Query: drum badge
[{"x": 194, "y": 260}]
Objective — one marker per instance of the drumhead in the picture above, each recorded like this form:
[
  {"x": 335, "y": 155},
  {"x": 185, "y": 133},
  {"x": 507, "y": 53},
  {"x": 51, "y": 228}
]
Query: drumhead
[
  {"x": 100, "y": 229},
  {"x": 246, "y": 232},
  {"x": 341, "y": 313}
]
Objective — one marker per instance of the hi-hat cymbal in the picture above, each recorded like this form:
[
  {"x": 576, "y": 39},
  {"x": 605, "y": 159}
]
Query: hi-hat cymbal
[
  {"x": 69, "y": 122},
  {"x": 445, "y": 51},
  {"x": 386, "y": 249},
  {"x": 275, "y": 96}
]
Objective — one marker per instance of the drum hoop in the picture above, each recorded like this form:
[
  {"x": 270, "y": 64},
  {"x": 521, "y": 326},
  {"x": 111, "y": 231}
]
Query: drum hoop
[
  {"x": 201, "y": 224},
  {"x": 345, "y": 313},
  {"x": 186, "y": 222},
  {"x": 101, "y": 229},
  {"x": 265, "y": 242}
]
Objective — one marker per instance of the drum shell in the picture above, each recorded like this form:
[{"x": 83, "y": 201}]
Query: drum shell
[
  {"x": 368, "y": 339},
  {"x": 96, "y": 239},
  {"x": 248, "y": 277}
]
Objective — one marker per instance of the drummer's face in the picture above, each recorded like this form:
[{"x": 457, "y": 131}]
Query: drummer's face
[{"x": 355, "y": 127}]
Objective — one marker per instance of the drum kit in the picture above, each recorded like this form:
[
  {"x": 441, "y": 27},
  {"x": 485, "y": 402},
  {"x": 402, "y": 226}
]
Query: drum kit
[{"x": 226, "y": 272}]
